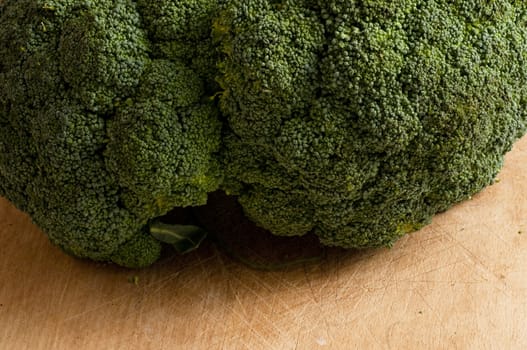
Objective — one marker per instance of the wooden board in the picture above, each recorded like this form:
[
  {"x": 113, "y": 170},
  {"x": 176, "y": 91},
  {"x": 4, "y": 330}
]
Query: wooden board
[{"x": 460, "y": 283}]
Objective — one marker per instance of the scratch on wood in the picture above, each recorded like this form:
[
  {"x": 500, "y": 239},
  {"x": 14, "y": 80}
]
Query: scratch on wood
[{"x": 473, "y": 257}]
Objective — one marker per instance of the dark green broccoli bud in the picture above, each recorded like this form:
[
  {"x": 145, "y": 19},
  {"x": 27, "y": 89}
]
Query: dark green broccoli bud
[
  {"x": 360, "y": 120},
  {"x": 180, "y": 30},
  {"x": 162, "y": 142},
  {"x": 102, "y": 51},
  {"x": 285, "y": 44},
  {"x": 142, "y": 250},
  {"x": 75, "y": 76},
  {"x": 72, "y": 196}
]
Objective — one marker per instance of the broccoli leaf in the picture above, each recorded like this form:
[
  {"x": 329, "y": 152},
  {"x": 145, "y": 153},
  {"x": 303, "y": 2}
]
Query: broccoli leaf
[{"x": 184, "y": 238}]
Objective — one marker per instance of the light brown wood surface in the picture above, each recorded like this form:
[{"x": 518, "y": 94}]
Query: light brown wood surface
[{"x": 460, "y": 283}]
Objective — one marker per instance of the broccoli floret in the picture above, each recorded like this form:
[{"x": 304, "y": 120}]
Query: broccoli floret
[
  {"x": 180, "y": 30},
  {"x": 360, "y": 120},
  {"x": 99, "y": 134},
  {"x": 162, "y": 142}
]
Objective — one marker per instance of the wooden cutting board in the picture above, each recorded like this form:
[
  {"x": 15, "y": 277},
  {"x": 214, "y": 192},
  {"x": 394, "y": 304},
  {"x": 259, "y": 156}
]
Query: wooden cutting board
[{"x": 460, "y": 283}]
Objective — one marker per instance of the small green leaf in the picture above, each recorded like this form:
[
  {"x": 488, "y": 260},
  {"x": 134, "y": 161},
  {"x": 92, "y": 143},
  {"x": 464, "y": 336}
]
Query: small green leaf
[{"x": 184, "y": 238}]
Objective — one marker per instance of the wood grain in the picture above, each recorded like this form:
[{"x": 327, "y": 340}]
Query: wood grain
[{"x": 460, "y": 283}]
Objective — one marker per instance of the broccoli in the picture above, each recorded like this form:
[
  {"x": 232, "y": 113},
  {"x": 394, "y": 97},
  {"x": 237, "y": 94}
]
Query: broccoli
[
  {"x": 355, "y": 120},
  {"x": 101, "y": 130},
  {"x": 359, "y": 120}
]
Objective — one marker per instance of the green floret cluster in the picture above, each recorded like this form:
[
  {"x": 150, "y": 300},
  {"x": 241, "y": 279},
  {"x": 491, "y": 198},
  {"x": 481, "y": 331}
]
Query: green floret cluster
[
  {"x": 359, "y": 120},
  {"x": 100, "y": 131},
  {"x": 355, "y": 120}
]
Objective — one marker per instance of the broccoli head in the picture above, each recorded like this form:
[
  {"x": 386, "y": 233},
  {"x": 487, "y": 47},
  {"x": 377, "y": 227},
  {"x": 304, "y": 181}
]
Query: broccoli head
[
  {"x": 100, "y": 130},
  {"x": 359, "y": 120},
  {"x": 355, "y": 120}
]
